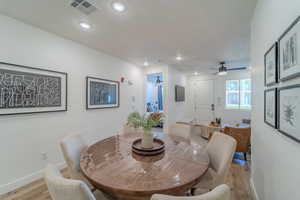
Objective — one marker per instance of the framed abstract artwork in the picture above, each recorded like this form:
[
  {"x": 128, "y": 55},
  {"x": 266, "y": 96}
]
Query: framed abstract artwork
[
  {"x": 289, "y": 52},
  {"x": 270, "y": 112},
  {"x": 25, "y": 90},
  {"x": 270, "y": 60},
  {"x": 102, "y": 93},
  {"x": 289, "y": 111}
]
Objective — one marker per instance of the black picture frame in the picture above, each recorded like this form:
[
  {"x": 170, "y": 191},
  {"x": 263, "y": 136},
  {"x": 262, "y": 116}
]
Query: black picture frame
[
  {"x": 40, "y": 71},
  {"x": 117, "y": 83},
  {"x": 275, "y": 45},
  {"x": 179, "y": 93},
  {"x": 275, "y": 125},
  {"x": 279, "y": 112},
  {"x": 297, "y": 74}
]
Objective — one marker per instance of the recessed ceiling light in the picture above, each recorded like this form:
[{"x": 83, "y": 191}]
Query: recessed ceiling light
[
  {"x": 118, "y": 6},
  {"x": 179, "y": 58},
  {"x": 196, "y": 73},
  {"x": 85, "y": 25},
  {"x": 146, "y": 64}
]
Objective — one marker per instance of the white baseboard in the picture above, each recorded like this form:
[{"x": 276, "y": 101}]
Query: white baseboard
[
  {"x": 253, "y": 190},
  {"x": 9, "y": 187}
]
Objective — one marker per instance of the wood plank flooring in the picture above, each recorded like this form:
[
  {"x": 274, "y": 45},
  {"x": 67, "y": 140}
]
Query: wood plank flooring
[{"x": 238, "y": 180}]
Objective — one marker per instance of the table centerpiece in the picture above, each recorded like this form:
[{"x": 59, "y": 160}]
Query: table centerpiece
[{"x": 146, "y": 122}]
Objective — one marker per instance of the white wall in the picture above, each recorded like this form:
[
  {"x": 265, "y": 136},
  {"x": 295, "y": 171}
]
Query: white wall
[
  {"x": 276, "y": 163},
  {"x": 25, "y": 137},
  {"x": 176, "y": 109},
  {"x": 219, "y": 93}
]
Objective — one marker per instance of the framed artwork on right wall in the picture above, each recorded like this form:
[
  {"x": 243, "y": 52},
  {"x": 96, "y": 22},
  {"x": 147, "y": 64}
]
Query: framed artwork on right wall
[
  {"x": 270, "y": 112},
  {"x": 271, "y": 69},
  {"x": 289, "y": 52},
  {"x": 289, "y": 111}
]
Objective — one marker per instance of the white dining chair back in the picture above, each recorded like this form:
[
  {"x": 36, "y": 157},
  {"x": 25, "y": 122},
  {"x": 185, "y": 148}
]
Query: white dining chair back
[
  {"x": 221, "y": 192},
  {"x": 180, "y": 129},
  {"x": 221, "y": 149},
  {"x": 72, "y": 146},
  {"x": 61, "y": 188}
]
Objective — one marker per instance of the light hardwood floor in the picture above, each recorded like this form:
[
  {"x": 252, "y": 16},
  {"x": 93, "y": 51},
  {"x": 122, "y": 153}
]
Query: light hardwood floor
[{"x": 238, "y": 180}]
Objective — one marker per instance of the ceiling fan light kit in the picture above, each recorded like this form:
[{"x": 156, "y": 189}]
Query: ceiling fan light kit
[
  {"x": 222, "y": 69},
  {"x": 223, "y": 73}
]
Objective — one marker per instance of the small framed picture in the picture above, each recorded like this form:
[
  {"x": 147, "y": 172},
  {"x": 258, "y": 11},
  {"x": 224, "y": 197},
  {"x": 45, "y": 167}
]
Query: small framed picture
[
  {"x": 289, "y": 111},
  {"x": 270, "y": 58},
  {"x": 28, "y": 90},
  {"x": 102, "y": 93},
  {"x": 270, "y": 112},
  {"x": 289, "y": 52}
]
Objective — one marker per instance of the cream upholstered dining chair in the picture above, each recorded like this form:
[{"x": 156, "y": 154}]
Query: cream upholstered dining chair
[
  {"x": 221, "y": 192},
  {"x": 180, "y": 129},
  {"x": 72, "y": 146},
  {"x": 220, "y": 149},
  {"x": 61, "y": 188}
]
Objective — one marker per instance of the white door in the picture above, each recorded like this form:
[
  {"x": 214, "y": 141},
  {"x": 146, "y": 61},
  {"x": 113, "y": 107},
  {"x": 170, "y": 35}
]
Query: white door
[{"x": 202, "y": 94}]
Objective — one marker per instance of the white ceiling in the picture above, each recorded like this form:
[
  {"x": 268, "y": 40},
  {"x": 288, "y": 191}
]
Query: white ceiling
[{"x": 204, "y": 32}]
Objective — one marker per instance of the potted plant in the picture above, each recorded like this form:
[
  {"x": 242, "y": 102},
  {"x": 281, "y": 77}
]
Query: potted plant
[{"x": 146, "y": 122}]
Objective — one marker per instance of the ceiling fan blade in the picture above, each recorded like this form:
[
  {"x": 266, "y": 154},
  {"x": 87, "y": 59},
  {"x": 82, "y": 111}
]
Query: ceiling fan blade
[
  {"x": 235, "y": 69},
  {"x": 213, "y": 68}
]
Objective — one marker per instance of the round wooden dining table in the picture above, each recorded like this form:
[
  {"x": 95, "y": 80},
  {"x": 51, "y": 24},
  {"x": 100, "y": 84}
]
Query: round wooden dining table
[{"x": 112, "y": 167}]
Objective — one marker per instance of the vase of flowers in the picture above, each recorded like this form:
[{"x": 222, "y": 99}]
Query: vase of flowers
[
  {"x": 147, "y": 139},
  {"x": 146, "y": 122},
  {"x": 134, "y": 122}
]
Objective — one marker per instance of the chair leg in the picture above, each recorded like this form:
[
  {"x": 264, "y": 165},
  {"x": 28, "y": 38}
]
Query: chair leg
[
  {"x": 245, "y": 156},
  {"x": 193, "y": 191},
  {"x": 188, "y": 193}
]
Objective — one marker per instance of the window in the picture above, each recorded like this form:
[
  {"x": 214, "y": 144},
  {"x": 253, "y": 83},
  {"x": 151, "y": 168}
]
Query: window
[{"x": 238, "y": 94}]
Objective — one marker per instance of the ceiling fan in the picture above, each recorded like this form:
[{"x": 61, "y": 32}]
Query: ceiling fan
[{"x": 222, "y": 69}]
